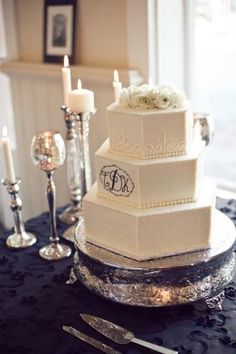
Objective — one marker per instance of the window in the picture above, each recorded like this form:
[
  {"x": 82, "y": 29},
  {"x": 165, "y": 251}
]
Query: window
[
  {"x": 196, "y": 51},
  {"x": 213, "y": 80},
  {"x": 6, "y": 115}
]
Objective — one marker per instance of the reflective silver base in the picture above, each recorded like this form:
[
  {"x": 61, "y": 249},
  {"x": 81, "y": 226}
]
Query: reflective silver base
[
  {"x": 71, "y": 214},
  {"x": 69, "y": 234},
  {"x": 174, "y": 280},
  {"x": 21, "y": 240},
  {"x": 55, "y": 251}
]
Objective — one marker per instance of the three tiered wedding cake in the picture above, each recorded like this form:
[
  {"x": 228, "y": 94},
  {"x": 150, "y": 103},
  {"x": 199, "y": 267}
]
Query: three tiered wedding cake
[{"x": 150, "y": 199}]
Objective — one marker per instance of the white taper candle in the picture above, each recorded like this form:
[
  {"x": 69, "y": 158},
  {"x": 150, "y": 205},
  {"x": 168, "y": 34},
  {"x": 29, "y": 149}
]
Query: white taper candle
[
  {"x": 66, "y": 78},
  {"x": 10, "y": 172},
  {"x": 117, "y": 85}
]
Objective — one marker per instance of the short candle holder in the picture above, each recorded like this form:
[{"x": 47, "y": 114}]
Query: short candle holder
[
  {"x": 20, "y": 238},
  {"x": 48, "y": 153},
  {"x": 81, "y": 168},
  {"x": 205, "y": 124}
]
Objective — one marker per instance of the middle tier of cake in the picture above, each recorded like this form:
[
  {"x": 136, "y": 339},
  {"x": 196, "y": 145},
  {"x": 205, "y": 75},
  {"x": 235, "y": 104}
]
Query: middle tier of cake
[{"x": 149, "y": 183}]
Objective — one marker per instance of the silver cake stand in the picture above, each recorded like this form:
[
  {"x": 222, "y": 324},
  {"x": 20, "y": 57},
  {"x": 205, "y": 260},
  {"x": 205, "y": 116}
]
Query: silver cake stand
[{"x": 181, "y": 279}]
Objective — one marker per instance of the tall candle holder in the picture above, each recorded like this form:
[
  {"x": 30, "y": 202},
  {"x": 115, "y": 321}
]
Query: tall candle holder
[
  {"x": 83, "y": 129},
  {"x": 83, "y": 165},
  {"x": 73, "y": 212},
  {"x": 20, "y": 238}
]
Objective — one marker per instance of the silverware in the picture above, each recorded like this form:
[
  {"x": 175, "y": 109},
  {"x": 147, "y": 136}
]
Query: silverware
[
  {"x": 95, "y": 343},
  {"x": 121, "y": 335}
]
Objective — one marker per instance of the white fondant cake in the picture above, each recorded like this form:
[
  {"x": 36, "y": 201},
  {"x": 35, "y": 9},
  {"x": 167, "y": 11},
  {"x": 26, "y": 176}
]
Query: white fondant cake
[
  {"x": 149, "y": 233},
  {"x": 149, "y": 183},
  {"x": 150, "y": 199}
]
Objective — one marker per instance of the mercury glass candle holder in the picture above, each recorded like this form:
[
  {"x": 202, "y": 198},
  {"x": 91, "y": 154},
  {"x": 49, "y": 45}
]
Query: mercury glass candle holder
[
  {"x": 78, "y": 165},
  {"x": 84, "y": 165},
  {"x": 73, "y": 161},
  {"x": 48, "y": 153}
]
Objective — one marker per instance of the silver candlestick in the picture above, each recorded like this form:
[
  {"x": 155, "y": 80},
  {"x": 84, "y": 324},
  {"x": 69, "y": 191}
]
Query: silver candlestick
[
  {"x": 84, "y": 165},
  {"x": 72, "y": 214},
  {"x": 20, "y": 238},
  {"x": 48, "y": 153}
]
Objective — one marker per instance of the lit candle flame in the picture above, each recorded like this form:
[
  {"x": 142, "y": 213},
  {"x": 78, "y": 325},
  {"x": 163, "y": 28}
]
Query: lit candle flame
[
  {"x": 79, "y": 84},
  {"x": 4, "y": 132},
  {"x": 66, "y": 61},
  {"x": 116, "y": 76}
]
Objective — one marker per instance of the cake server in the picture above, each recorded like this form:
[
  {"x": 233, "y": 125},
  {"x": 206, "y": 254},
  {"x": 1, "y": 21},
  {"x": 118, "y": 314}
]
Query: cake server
[
  {"x": 95, "y": 343},
  {"x": 121, "y": 335}
]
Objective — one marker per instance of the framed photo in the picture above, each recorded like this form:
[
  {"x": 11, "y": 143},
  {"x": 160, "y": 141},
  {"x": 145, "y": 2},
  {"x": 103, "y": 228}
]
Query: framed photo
[{"x": 59, "y": 30}]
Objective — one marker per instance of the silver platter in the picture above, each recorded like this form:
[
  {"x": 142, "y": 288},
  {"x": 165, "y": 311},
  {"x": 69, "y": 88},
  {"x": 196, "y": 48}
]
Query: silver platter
[{"x": 174, "y": 280}]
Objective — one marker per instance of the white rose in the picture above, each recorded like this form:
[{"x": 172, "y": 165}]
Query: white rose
[
  {"x": 145, "y": 88},
  {"x": 154, "y": 92},
  {"x": 133, "y": 101},
  {"x": 162, "y": 101},
  {"x": 124, "y": 98},
  {"x": 173, "y": 102},
  {"x": 134, "y": 91},
  {"x": 181, "y": 100},
  {"x": 145, "y": 101},
  {"x": 167, "y": 89}
]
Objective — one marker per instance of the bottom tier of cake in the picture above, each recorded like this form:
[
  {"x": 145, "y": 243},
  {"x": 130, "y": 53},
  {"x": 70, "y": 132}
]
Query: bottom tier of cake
[{"x": 144, "y": 234}]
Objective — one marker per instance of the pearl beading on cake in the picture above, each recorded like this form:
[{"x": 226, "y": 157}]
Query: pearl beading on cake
[
  {"x": 149, "y": 157},
  {"x": 149, "y": 205}
]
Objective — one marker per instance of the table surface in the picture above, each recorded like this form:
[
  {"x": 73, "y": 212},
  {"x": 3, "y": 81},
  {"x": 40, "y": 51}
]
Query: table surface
[{"x": 35, "y": 302}]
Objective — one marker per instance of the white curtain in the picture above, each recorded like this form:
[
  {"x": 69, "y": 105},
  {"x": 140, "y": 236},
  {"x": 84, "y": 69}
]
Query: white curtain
[
  {"x": 3, "y": 46},
  {"x": 6, "y": 119}
]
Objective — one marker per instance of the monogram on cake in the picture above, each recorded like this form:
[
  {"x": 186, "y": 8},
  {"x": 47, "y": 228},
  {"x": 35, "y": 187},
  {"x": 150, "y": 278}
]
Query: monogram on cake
[{"x": 150, "y": 198}]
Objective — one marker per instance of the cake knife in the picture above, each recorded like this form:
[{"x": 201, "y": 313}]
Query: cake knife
[
  {"x": 121, "y": 335},
  {"x": 95, "y": 343}
]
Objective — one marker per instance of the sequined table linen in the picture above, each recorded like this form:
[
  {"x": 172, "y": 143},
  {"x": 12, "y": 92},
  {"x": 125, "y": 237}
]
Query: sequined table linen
[{"x": 35, "y": 302}]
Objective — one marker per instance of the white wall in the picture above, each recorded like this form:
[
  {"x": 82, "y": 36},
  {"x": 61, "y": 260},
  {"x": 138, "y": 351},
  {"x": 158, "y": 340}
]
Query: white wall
[
  {"x": 110, "y": 34},
  {"x": 100, "y": 32}
]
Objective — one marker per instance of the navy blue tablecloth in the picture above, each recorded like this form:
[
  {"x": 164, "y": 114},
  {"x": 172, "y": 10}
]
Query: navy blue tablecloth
[{"x": 35, "y": 302}]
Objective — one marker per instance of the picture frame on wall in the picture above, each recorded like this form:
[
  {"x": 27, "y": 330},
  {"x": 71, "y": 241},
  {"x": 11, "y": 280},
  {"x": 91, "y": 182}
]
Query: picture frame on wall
[{"x": 59, "y": 30}]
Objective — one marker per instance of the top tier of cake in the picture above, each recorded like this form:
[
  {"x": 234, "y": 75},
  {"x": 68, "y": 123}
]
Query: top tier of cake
[{"x": 150, "y": 123}]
